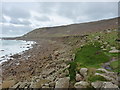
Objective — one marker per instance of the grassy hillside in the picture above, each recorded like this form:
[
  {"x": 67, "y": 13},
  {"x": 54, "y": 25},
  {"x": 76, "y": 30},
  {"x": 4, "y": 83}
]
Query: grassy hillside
[{"x": 73, "y": 29}]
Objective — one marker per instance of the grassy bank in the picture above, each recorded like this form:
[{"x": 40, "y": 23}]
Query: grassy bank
[{"x": 95, "y": 52}]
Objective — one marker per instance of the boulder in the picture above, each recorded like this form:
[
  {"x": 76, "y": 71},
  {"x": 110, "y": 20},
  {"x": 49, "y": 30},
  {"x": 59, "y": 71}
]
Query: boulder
[
  {"x": 62, "y": 83},
  {"x": 39, "y": 84},
  {"x": 114, "y": 51},
  {"x": 104, "y": 76},
  {"x": 78, "y": 77},
  {"x": 56, "y": 53},
  {"x": 83, "y": 71},
  {"x": 109, "y": 85},
  {"x": 102, "y": 69},
  {"x": 97, "y": 84},
  {"x": 48, "y": 71},
  {"x": 81, "y": 84}
]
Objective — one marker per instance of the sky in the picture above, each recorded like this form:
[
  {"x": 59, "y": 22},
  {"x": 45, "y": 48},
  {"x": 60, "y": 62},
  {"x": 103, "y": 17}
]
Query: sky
[{"x": 18, "y": 18}]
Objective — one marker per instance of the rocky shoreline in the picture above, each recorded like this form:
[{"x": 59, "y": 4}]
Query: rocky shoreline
[
  {"x": 44, "y": 63},
  {"x": 47, "y": 64}
]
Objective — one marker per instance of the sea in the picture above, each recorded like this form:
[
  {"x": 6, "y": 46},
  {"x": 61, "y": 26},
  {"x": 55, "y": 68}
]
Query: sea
[{"x": 11, "y": 47}]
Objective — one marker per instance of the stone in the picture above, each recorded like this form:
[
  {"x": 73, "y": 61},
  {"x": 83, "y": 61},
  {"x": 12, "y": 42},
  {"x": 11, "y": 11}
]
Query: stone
[
  {"x": 51, "y": 78},
  {"x": 113, "y": 48},
  {"x": 62, "y": 75},
  {"x": 56, "y": 53},
  {"x": 62, "y": 83},
  {"x": 102, "y": 47},
  {"x": 109, "y": 85},
  {"x": 24, "y": 84},
  {"x": 97, "y": 38},
  {"x": 45, "y": 87},
  {"x": 67, "y": 72},
  {"x": 39, "y": 84},
  {"x": 104, "y": 76},
  {"x": 83, "y": 71},
  {"x": 8, "y": 84},
  {"x": 52, "y": 84},
  {"x": 105, "y": 43},
  {"x": 114, "y": 51},
  {"x": 97, "y": 84},
  {"x": 16, "y": 85},
  {"x": 48, "y": 71},
  {"x": 102, "y": 69},
  {"x": 78, "y": 77},
  {"x": 81, "y": 84}
]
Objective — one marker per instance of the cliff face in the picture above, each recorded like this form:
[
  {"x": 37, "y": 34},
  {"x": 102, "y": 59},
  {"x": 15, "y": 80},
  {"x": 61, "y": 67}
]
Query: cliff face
[{"x": 73, "y": 29}]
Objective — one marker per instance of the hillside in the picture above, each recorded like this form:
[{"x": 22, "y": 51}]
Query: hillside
[
  {"x": 72, "y": 58},
  {"x": 73, "y": 29}
]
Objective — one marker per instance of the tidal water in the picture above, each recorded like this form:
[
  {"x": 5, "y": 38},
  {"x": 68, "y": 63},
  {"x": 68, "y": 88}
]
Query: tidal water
[{"x": 11, "y": 47}]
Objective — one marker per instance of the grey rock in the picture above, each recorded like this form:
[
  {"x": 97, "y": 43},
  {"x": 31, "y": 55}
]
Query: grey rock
[
  {"x": 114, "y": 51},
  {"x": 81, "y": 84},
  {"x": 109, "y": 85},
  {"x": 62, "y": 83},
  {"x": 97, "y": 84},
  {"x": 78, "y": 77},
  {"x": 48, "y": 71},
  {"x": 17, "y": 85},
  {"x": 52, "y": 84},
  {"x": 103, "y": 70},
  {"x": 83, "y": 71}
]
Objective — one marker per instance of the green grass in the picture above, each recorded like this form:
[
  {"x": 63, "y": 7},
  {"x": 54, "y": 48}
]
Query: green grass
[
  {"x": 91, "y": 56},
  {"x": 96, "y": 78},
  {"x": 115, "y": 66},
  {"x": 72, "y": 71}
]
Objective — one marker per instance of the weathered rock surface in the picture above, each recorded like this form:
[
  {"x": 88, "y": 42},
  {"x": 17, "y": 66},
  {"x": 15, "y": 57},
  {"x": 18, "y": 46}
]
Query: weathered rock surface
[
  {"x": 81, "y": 84},
  {"x": 78, "y": 77},
  {"x": 62, "y": 83},
  {"x": 114, "y": 51},
  {"x": 48, "y": 71},
  {"x": 103, "y": 70},
  {"x": 83, "y": 71},
  {"x": 39, "y": 84},
  {"x": 97, "y": 84},
  {"x": 109, "y": 85}
]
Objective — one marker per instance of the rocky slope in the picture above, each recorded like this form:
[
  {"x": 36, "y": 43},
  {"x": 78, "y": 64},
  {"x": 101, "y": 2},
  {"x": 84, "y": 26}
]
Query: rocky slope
[{"x": 48, "y": 64}]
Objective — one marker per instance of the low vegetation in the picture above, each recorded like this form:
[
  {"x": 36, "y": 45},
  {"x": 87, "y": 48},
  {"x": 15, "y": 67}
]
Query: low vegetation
[{"x": 94, "y": 53}]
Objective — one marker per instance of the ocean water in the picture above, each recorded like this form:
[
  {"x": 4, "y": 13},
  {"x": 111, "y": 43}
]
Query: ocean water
[{"x": 11, "y": 47}]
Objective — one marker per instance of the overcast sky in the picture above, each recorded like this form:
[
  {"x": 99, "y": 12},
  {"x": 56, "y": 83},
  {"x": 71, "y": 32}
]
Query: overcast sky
[{"x": 19, "y": 18}]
